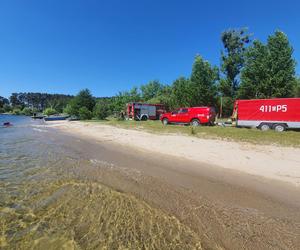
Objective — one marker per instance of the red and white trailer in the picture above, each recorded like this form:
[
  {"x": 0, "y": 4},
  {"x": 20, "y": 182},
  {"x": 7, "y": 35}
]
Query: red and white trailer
[
  {"x": 144, "y": 111},
  {"x": 265, "y": 114}
]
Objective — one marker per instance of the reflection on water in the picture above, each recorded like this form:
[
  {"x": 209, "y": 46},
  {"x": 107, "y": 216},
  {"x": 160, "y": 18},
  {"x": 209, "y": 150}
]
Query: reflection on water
[{"x": 47, "y": 201}]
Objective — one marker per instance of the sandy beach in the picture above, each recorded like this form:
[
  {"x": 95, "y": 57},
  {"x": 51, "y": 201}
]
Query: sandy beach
[{"x": 271, "y": 162}]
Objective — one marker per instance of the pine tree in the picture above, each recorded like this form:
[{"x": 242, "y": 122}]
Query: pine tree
[
  {"x": 282, "y": 66},
  {"x": 269, "y": 69},
  {"x": 255, "y": 75}
]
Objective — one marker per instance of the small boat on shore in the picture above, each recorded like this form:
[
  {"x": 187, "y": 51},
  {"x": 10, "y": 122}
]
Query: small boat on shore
[
  {"x": 55, "y": 118},
  {"x": 39, "y": 116}
]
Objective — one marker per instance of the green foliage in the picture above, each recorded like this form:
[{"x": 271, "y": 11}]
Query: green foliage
[
  {"x": 50, "y": 111},
  {"x": 269, "y": 69},
  {"x": 83, "y": 99},
  {"x": 282, "y": 69},
  {"x": 101, "y": 110},
  {"x": 227, "y": 105},
  {"x": 120, "y": 100},
  {"x": 3, "y": 101},
  {"x": 234, "y": 41},
  {"x": 255, "y": 75},
  {"x": 7, "y": 108},
  {"x": 39, "y": 101},
  {"x": 181, "y": 93},
  {"x": 17, "y": 111},
  {"x": 203, "y": 83},
  {"x": 151, "y": 90},
  {"x": 85, "y": 113},
  {"x": 27, "y": 111},
  {"x": 297, "y": 88}
]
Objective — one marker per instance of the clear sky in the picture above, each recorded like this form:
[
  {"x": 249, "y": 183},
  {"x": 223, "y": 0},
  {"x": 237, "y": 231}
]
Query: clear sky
[{"x": 62, "y": 46}]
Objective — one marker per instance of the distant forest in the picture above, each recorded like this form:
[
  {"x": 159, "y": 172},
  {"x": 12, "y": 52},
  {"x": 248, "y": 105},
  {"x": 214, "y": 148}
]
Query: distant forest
[{"x": 248, "y": 69}]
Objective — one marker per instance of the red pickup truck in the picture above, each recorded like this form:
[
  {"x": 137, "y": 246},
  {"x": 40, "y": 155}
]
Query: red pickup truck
[{"x": 194, "y": 116}]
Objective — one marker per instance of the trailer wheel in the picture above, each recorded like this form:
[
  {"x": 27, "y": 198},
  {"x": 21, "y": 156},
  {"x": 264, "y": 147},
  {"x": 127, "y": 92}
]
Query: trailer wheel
[
  {"x": 195, "y": 122},
  {"x": 165, "y": 121},
  {"x": 279, "y": 127},
  {"x": 144, "y": 118},
  {"x": 264, "y": 127}
]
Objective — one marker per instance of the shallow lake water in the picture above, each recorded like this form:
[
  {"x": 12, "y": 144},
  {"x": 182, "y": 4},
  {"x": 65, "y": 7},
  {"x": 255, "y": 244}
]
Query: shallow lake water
[{"x": 47, "y": 200}]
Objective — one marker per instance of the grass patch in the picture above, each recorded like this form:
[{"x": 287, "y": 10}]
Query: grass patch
[{"x": 254, "y": 136}]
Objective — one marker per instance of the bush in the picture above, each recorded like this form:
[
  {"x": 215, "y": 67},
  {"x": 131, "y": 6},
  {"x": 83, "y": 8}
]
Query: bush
[
  {"x": 7, "y": 108},
  {"x": 69, "y": 110},
  {"x": 50, "y": 111},
  {"x": 85, "y": 114},
  {"x": 17, "y": 111},
  {"x": 27, "y": 111},
  {"x": 101, "y": 110}
]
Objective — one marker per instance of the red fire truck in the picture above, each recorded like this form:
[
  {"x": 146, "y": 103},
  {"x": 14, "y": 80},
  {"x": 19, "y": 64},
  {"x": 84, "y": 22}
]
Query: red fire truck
[
  {"x": 144, "y": 111},
  {"x": 265, "y": 114}
]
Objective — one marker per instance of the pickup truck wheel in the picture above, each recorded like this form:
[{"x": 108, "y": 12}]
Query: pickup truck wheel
[
  {"x": 165, "y": 121},
  {"x": 279, "y": 127},
  {"x": 195, "y": 122},
  {"x": 264, "y": 127}
]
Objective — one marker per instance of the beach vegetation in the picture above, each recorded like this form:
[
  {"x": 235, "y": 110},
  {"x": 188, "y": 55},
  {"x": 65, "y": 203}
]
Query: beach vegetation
[
  {"x": 50, "y": 111},
  {"x": 84, "y": 113},
  {"x": 17, "y": 111},
  {"x": 27, "y": 111},
  {"x": 83, "y": 99},
  {"x": 101, "y": 110}
]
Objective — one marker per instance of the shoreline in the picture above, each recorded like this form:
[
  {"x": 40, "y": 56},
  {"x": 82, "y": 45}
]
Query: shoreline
[
  {"x": 270, "y": 162},
  {"x": 228, "y": 209}
]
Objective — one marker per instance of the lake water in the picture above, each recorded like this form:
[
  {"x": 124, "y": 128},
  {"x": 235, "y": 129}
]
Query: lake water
[{"x": 49, "y": 199}]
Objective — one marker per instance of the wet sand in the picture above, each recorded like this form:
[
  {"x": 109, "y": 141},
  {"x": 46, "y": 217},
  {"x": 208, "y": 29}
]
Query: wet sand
[
  {"x": 227, "y": 209},
  {"x": 269, "y": 161}
]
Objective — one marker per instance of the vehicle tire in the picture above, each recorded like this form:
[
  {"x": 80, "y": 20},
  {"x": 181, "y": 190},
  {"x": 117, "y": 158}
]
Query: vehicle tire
[
  {"x": 144, "y": 118},
  {"x": 195, "y": 123},
  {"x": 279, "y": 127},
  {"x": 165, "y": 121},
  {"x": 264, "y": 127}
]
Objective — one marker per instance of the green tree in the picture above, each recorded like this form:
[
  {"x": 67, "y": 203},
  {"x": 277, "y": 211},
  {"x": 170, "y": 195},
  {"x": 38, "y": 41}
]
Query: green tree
[
  {"x": 85, "y": 113},
  {"x": 255, "y": 77},
  {"x": 151, "y": 90},
  {"x": 232, "y": 57},
  {"x": 165, "y": 97},
  {"x": 120, "y": 100},
  {"x": 203, "y": 83},
  {"x": 282, "y": 66},
  {"x": 101, "y": 110},
  {"x": 297, "y": 88},
  {"x": 50, "y": 111},
  {"x": 27, "y": 111},
  {"x": 269, "y": 69},
  {"x": 3, "y": 101},
  {"x": 83, "y": 99},
  {"x": 7, "y": 108},
  {"x": 182, "y": 93}
]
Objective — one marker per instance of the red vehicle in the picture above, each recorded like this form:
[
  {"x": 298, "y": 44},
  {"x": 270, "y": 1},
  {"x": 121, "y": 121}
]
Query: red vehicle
[
  {"x": 265, "y": 114},
  {"x": 144, "y": 111},
  {"x": 194, "y": 116}
]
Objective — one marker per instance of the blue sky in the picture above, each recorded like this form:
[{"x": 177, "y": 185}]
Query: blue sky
[{"x": 62, "y": 46}]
